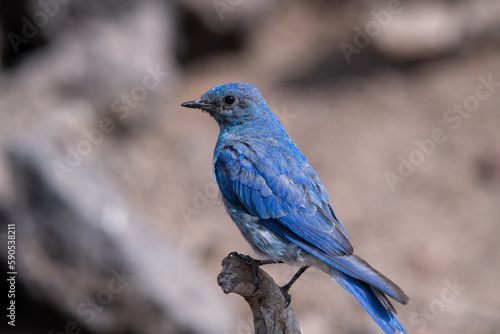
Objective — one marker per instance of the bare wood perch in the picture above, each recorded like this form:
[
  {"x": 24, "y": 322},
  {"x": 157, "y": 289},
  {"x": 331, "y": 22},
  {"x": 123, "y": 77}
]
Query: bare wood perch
[{"x": 267, "y": 303}]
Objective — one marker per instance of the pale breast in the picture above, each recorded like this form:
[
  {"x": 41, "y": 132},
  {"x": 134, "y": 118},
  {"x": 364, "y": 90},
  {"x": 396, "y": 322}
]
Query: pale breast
[{"x": 266, "y": 242}]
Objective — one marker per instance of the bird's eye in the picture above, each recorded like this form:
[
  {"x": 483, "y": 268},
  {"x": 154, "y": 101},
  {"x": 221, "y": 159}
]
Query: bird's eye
[{"x": 229, "y": 100}]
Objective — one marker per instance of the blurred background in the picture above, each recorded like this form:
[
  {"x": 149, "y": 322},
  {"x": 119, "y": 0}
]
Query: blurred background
[{"x": 108, "y": 181}]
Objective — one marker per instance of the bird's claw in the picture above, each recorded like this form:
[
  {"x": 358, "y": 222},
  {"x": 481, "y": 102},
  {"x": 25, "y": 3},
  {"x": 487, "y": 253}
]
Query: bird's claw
[
  {"x": 284, "y": 292},
  {"x": 284, "y": 289},
  {"x": 251, "y": 262},
  {"x": 255, "y": 264},
  {"x": 245, "y": 258}
]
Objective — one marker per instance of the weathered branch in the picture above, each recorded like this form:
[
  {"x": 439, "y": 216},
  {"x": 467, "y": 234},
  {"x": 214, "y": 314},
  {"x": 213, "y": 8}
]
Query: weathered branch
[{"x": 267, "y": 303}]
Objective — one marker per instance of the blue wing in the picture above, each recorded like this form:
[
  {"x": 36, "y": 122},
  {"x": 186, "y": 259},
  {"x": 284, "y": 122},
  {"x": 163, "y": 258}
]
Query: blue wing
[
  {"x": 294, "y": 207},
  {"x": 292, "y": 203}
]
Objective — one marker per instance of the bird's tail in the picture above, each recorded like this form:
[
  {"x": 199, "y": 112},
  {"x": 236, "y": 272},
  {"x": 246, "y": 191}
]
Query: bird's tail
[{"x": 373, "y": 301}]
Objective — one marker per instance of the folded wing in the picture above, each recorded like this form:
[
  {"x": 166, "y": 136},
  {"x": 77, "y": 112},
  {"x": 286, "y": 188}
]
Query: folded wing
[{"x": 294, "y": 205}]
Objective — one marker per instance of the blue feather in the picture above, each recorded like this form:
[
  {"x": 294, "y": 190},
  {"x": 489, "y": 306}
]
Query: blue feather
[
  {"x": 368, "y": 298},
  {"x": 279, "y": 203}
]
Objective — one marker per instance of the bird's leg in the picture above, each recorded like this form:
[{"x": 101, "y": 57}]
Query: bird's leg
[
  {"x": 286, "y": 287},
  {"x": 255, "y": 264}
]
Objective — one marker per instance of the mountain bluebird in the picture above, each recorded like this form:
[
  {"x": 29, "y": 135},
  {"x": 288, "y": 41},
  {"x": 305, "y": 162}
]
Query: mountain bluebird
[{"x": 279, "y": 203}]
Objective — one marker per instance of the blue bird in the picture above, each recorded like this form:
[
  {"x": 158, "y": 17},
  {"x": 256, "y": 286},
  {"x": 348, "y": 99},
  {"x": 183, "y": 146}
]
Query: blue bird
[{"x": 279, "y": 203}]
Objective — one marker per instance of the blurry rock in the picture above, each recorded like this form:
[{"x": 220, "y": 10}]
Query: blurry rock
[
  {"x": 83, "y": 252},
  {"x": 224, "y": 15},
  {"x": 30, "y": 23},
  {"x": 432, "y": 29},
  {"x": 208, "y": 27},
  {"x": 118, "y": 66},
  {"x": 204, "y": 26},
  {"x": 417, "y": 32},
  {"x": 395, "y": 36},
  {"x": 13, "y": 45},
  {"x": 330, "y": 68}
]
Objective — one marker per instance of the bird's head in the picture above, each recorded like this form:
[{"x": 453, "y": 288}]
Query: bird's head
[{"x": 231, "y": 104}]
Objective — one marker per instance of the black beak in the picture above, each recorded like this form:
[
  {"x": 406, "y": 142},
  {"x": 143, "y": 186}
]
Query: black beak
[{"x": 197, "y": 104}]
